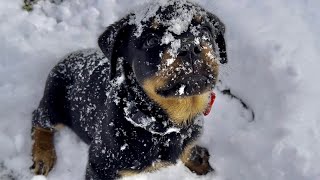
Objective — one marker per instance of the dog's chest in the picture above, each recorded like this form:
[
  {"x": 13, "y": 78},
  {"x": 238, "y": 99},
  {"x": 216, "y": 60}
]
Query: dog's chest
[
  {"x": 140, "y": 149},
  {"x": 161, "y": 138}
]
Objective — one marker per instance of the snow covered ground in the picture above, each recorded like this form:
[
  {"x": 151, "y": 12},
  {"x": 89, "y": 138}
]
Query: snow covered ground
[{"x": 274, "y": 52}]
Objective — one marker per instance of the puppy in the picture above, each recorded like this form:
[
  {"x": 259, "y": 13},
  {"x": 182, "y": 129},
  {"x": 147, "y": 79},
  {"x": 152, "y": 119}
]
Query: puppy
[{"x": 139, "y": 101}]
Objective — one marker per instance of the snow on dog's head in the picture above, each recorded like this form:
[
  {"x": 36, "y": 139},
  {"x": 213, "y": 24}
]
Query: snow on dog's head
[
  {"x": 176, "y": 15},
  {"x": 173, "y": 49}
]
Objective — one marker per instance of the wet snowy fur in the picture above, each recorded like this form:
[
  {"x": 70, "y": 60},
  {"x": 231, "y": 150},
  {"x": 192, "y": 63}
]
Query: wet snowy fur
[
  {"x": 94, "y": 110},
  {"x": 100, "y": 97}
]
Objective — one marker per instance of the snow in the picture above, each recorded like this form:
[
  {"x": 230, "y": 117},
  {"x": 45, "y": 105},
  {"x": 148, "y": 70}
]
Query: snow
[
  {"x": 273, "y": 49},
  {"x": 167, "y": 38},
  {"x": 123, "y": 147},
  {"x": 173, "y": 51},
  {"x": 178, "y": 22},
  {"x": 39, "y": 178},
  {"x": 181, "y": 89}
]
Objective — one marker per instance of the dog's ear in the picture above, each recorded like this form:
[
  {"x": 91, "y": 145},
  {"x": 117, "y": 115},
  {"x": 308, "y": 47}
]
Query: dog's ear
[
  {"x": 110, "y": 42},
  {"x": 219, "y": 30}
]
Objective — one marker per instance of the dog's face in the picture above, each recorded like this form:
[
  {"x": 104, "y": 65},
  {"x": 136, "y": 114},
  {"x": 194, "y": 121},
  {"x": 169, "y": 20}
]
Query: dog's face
[{"x": 174, "y": 55}]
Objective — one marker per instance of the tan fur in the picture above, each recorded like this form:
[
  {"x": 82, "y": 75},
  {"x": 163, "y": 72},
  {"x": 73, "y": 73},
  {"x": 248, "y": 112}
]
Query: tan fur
[
  {"x": 43, "y": 152},
  {"x": 180, "y": 109},
  {"x": 59, "y": 127},
  {"x": 166, "y": 71},
  {"x": 155, "y": 24},
  {"x": 126, "y": 173},
  {"x": 152, "y": 168},
  {"x": 200, "y": 168},
  {"x": 185, "y": 156},
  {"x": 157, "y": 166},
  {"x": 198, "y": 18},
  {"x": 210, "y": 59}
]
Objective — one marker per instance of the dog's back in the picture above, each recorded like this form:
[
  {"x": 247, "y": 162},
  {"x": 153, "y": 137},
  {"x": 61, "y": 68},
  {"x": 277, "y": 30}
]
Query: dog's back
[{"x": 74, "y": 89}]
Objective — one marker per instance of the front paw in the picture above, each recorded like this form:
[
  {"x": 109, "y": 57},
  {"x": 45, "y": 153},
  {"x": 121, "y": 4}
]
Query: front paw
[
  {"x": 198, "y": 161},
  {"x": 43, "y": 153},
  {"x": 43, "y": 162}
]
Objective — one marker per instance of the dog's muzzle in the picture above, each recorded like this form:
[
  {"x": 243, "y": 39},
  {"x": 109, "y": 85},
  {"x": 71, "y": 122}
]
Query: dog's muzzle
[
  {"x": 186, "y": 86},
  {"x": 193, "y": 78},
  {"x": 190, "y": 50}
]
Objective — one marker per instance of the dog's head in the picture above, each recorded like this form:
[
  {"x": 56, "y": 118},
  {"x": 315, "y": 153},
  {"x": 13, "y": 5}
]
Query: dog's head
[{"x": 174, "y": 50}]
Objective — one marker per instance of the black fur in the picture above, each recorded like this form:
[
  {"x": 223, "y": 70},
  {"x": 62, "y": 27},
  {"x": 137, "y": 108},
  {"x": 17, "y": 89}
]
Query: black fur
[
  {"x": 99, "y": 96},
  {"x": 79, "y": 100}
]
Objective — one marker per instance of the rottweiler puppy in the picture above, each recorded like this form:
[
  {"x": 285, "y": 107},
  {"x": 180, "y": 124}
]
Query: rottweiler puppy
[{"x": 138, "y": 101}]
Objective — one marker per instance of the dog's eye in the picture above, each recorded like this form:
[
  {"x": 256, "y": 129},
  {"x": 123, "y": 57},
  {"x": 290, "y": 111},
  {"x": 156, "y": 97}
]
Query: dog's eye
[
  {"x": 151, "y": 41},
  {"x": 206, "y": 33}
]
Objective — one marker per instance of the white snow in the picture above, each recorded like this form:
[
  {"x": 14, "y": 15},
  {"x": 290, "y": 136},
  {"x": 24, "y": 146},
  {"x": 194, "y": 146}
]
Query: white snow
[
  {"x": 175, "y": 45},
  {"x": 167, "y": 38},
  {"x": 180, "y": 25},
  {"x": 181, "y": 89},
  {"x": 123, "y": 147},
  {"x": 273, "y": 49},
  {"x": 39, "y": 178}
]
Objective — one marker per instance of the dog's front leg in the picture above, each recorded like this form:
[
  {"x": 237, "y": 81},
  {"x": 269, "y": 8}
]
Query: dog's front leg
[
  {"x": 196, "y": 158},
  {"x": 91, "y": 174},
  {"x": 43, "y": 152}
]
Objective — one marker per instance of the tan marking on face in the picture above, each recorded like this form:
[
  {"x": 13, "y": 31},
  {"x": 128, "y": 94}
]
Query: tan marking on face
[
  {"x": 198, "y": 18},
  {"x": 155, "y": 24},
  {"x": 169, "y": 65},
  {"x": 179, "y": 109},
  {"x": 208, "y": 56}
]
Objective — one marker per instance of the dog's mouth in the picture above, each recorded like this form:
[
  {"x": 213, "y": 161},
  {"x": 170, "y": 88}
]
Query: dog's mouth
[{"x": 187, "y": 86}]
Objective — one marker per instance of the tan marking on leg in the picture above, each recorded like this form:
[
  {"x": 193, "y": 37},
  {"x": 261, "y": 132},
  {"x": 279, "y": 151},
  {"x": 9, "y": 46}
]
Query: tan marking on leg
[
  {"x": 196, "y": 159},
  {"x": 187, "y": 152},
  {"x": 154, "y": 167},
  {"x": 43, "y": 152},
  {"x": 59, "y": 127},
  {"x": 127, "y": 173}
]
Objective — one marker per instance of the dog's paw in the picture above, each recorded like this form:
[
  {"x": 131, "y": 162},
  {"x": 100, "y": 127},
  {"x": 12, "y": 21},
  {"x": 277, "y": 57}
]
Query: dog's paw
[
  {"x": 43, "y": 152},
  {"x": 198, "y": 161},
  {"x": 43, "y": 162},
  {"x": 28, "y": 4}
]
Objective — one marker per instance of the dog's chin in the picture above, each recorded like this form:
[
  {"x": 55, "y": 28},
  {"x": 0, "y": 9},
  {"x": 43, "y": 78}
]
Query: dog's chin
[{"x": 186, "y": 86}]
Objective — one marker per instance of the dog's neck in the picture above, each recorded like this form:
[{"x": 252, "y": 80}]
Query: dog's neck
[
  {"x": 138, "y": 105},
  {"x": 143, "y": 102},
  {"x": 142, "y": 112}
]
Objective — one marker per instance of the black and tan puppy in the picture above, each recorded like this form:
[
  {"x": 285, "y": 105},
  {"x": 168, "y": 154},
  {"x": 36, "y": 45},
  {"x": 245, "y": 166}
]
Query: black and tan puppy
[{"x": 139, "y": 102}]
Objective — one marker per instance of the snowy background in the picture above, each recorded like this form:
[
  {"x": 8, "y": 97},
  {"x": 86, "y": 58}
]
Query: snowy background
[{"x": 274, "y": 62}]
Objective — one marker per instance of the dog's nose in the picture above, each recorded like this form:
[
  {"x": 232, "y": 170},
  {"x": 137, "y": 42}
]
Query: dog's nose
[{"x": 189, "y": 49}]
